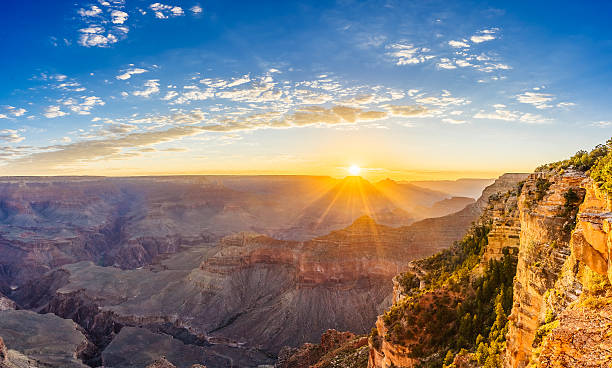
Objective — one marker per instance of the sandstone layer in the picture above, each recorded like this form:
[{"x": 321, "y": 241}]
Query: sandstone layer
[{"x": 544, "y": 248}]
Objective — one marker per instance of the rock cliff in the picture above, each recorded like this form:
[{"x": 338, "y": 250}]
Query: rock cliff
[
  {"x": 426, "y": 300},
  {"x": 544, "y": 248}
]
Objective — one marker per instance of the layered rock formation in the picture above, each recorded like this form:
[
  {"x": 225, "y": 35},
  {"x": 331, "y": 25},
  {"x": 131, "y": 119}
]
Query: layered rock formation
[
  {"x": 592, "y": 238},
  {"x": 500, "y": 214},
  {"x": 544, "y": 248},
  {"x": 40, "y": 340},
  {"x": 337, "y": 349},
  {"x": 130, "y": 222}
]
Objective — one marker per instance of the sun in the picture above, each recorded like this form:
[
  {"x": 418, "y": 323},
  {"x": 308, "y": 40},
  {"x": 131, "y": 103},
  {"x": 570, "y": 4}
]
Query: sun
[{"x": 354, "y": 170}]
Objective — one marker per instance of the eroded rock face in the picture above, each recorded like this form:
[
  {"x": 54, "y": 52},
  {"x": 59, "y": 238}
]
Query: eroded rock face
[
  {"x": 139, "y": 348},
  {"x": 592, "y": 238},
  {"x": 33, "y": 340},
  {"x": 498, "y": 205},
  {"x": 582, "y": 339},
  {"x": 6, "y": 303},
  {"x": 503, "y": 213},
  {"x": 544, "y": 248},
  {"x": 337, "y": 349}
]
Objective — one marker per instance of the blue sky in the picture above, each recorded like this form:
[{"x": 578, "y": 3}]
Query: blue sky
[{"x": 409, "y": 90}]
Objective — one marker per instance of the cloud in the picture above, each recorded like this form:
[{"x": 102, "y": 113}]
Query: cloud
[
  {"x": 459, "y": 44},
  {"x": 196, "y": 9},
  {"x": 10, "y": 136},
  {"x": 517, "y": 116},
  {"x": 59, "y": 157},
  {"x": 454, "y": 121},
  {"x": 127, "y": 74},
  {"x": 93, "y": 11},
  {"x": 118, "y": 16},
  {"x": 17, "y": 112},
  {"x": 565, "y": 104},
  {"x": 94, "y": 37},
  {"x": 163, "y": 11},
  {"x": 152, "y": 87},
  {"x": 539, "y": 100},
  {"x": 446, "y": 63},
  {"x": 54, "y": 112},
  {"x": 406, "y": 54},
  {"x": 407, "y": 110},
  {"x": 443, "y": 101},
  {"x": 602, "y": 124},
  {"x": 84, "y": 107},
  {"x": 484, "y": 35}
]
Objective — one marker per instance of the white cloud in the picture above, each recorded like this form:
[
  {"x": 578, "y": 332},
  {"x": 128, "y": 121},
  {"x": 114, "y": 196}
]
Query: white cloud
[
  {"x": 93, "y": 36},
  {"x": 484, "y": 35},
  {"x": 3, "y": 116},
  {"x": 446, "y": 63},
  {"x": 406, "y": 54},
  {"x": 459, "y": 44},
  {"x": 537, "y": 99},
  {"x": 118, "y": 16},
  {"x": 54, "y": 112},
  {"x": 93, "y": 11},
  {"x": 85, "y": 106},
  {"x": 152, "y": 87},
  {"x": 444, "y": 100},
  {"x": 602, "y": 124},
  {"x": 16, "y": 111},
  {"x": 127, "y": 74},
  {"x": 565, "y": 104},
  {"x": 170, "y": 95},
  {"x": 163, "y": 11},
  {"x": 454, "y": 121},
  {"x": 11, "y": 136},
  {"x": 507, "y": 115},
  {"x": 196, "y": 9}
]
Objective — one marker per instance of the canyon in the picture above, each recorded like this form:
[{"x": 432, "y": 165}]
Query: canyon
[
  {"x": 190, "y": 267},
  {"x": 518, "y": 278}
]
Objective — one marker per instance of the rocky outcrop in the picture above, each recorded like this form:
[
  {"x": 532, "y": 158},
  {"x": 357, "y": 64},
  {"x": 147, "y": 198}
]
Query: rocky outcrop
[
  {"x": 502, "y": 214},
  {"x": 337, "y": 349},
  {"x": 164, "y": 363},
  {"x": 41, "y": 340},
  {"x": 592, "y": 238},
  {"x": 498, "y": 209},
  {"x": 6, "y": 303},
  {"x": 544, "y": 248},
  {"x": 140, "y": 348},
  {"x": 581, "y": 339}
]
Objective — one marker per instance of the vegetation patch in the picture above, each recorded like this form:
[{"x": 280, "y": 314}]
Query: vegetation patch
[{"x": 455, "y": 313}]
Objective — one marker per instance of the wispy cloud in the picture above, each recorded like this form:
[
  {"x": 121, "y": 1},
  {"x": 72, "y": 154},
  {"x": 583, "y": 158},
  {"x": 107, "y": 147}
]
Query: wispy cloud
[
  {"x": 406, "y": 54},
  {"x": 537, "y": 99},
  {"x": 151, "y": 87},
  {"x": 54, "y": 111},
  {"x": 10, "y": 136},
  {"x": 127, "y": 74},
  {"x": 485, "y": 35},
  {"x": 459, "y": 44},
  {"x": 507, "y": 115},
  {"x": 163, "y": 11}
]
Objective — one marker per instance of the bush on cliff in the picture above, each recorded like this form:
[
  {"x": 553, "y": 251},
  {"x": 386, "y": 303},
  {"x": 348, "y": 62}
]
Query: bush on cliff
[{"x": 456, "y": 312}]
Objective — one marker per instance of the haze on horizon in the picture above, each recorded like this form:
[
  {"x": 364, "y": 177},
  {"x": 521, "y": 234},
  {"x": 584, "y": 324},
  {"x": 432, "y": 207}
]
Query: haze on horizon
[{"x": 403, "y": 90}]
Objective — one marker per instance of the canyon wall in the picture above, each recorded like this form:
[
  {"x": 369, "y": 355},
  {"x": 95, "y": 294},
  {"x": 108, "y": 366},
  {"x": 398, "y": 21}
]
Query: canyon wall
[
  {"x": 544, "y": 248},
  {"x": 500, "y": 214}
]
